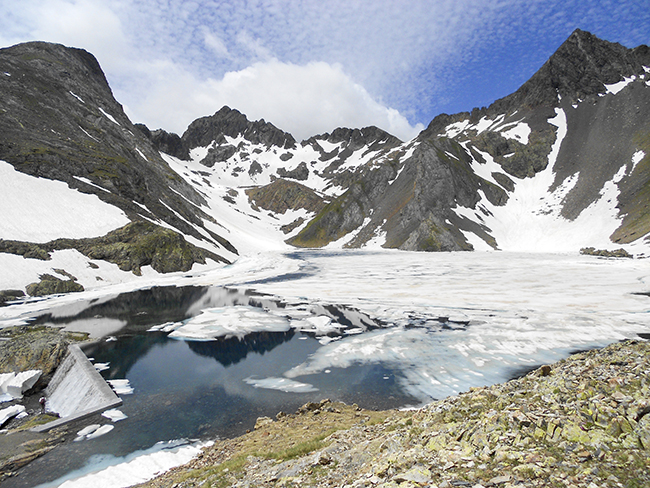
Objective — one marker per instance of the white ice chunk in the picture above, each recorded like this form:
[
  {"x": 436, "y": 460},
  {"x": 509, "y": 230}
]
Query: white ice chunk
[
  {"x": 121, "y": 387},
  {"x": 114, "y": 415},
  {"x": 10, "y": 412},
  {"x": 15, "y": 384},
  {"x": 166, "y": 327},
  {"x": 102, "y": 366},
  {"x": 81, "y": 435},
  {"x": 282, "y": 384},
  {"x": 104, "y": 429},
  {"x": 319, "y": 325}
]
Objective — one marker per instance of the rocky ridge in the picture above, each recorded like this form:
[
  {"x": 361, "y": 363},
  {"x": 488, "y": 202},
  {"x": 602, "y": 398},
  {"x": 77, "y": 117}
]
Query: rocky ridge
[
  {"x": 466, "y": 165},
  {"x": 59, "y": 120},
  {"x": 582, "y": 422}
]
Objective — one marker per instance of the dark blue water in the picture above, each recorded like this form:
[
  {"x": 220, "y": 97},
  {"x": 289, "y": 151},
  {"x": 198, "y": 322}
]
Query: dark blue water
[{"x": 197, "y": 389}]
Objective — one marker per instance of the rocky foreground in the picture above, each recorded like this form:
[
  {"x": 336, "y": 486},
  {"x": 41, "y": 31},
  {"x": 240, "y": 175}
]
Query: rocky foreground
[{"x": 583, "y": 422}]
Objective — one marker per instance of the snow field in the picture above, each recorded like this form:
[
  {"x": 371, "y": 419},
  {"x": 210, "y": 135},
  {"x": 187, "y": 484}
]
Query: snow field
[
  {"x": 531, "y": 220},
  {"x": 39, "y": 210}
]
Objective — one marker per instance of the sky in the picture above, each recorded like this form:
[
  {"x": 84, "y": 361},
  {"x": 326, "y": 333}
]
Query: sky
[{"x": 311, "y": 66}]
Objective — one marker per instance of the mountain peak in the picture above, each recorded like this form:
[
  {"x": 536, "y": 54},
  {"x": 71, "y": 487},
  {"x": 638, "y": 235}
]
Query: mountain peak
[
  {"x": 579, "y": 68},
  {"x": 232, "y": 123}
]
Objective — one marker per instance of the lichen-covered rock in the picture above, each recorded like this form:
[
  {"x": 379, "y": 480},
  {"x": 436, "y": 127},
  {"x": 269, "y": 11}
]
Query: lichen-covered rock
[
  {"x": 616, "y": 253},
  {"x": 35, "y": 347},
  {"x": 10, "y": 295},
  {"x": 50, "y": 285},
  {"x": 141, "y": 244},
  {"x": 131, "y": 247},
  {"x": 282, "y": 195}
]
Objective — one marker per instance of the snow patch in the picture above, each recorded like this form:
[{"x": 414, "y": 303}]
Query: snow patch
[
  {"x": 520, "y": 132},
  {"x": 614, "y": 88},
  {"x": 637, "y": 157},
  {"x": 10, "y": 412},
  {"x": 108, "y": 116},
  {"x": 136, "y": 468},
  {"x": 142, "y": 155},
  {"x": 452, "y": 130},
  {"x": 27, "y": 216},
  {"x": 531, "y": 221},
  {"x": 13, "y": 385},
  {"x": 77, "y": 97}
]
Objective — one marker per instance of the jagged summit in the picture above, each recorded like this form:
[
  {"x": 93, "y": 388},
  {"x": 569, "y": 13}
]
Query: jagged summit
[
  {"x": 231, "y": 122},
  {"x": 579, "y": 68}
]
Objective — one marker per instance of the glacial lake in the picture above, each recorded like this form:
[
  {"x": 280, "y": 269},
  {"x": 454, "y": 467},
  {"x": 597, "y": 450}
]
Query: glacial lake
[{"x": 209, "y": 355}]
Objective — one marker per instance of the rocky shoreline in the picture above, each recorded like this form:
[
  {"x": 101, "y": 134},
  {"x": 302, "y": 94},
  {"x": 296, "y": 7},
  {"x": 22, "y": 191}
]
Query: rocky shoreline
[{"x": 582, "y": 422}]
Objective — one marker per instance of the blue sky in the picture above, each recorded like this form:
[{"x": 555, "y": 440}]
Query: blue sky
[{"x": 311, "y": 66}]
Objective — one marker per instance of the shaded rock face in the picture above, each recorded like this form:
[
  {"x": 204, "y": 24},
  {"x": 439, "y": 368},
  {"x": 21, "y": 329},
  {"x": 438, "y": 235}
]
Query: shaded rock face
[
  {"x": 301, "y": 173},
  {"x": 59, "y": 120},
  {"x": 409, "y": 202},
  {"x": 166, "y": 142},
  {"x": 577, "y": 70}
]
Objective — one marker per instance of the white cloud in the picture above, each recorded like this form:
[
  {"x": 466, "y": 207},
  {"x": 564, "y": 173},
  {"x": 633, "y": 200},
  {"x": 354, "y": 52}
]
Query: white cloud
[
  {"x": 170, "y": 61},
  {"x": 88, "y": 24},
  {"x": 303, "y": 100}
]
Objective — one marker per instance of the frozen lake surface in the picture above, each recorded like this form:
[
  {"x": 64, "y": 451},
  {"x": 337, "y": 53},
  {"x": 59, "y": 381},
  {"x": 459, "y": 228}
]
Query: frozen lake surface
[{"x": 380, "y": 328}]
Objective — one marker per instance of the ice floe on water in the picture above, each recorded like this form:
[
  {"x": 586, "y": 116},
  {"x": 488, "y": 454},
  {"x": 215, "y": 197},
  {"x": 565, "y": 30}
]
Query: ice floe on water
[
  {"x": 456, "y": 320},
  {"x": 281, "y": 384},
  {"x": 121, "y": 387},
  {"x": 93, "y": 431},
  {"x": 114, "y": 415},
  {"x": 226, "y": 322},
  {"x": 434, "y": 324}
]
